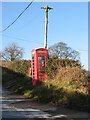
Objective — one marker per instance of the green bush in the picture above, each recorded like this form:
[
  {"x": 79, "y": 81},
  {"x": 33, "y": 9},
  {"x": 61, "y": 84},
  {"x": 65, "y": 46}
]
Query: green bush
[
  {"x": 67, "y": 74},
  {"x": 21, "y": 66},
  {"x": 53, "y": 65}
]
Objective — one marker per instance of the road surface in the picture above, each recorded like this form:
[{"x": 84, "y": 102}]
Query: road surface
[{"x": 16, "y": 107}]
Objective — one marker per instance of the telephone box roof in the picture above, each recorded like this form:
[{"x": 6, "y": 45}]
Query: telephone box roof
[{"x": 36, "y": 49}]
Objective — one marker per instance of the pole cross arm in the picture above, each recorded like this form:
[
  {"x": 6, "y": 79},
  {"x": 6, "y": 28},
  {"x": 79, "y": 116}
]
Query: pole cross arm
[
  {"x": 47, "y": 8},
  {"x": 50, "y": 8}
]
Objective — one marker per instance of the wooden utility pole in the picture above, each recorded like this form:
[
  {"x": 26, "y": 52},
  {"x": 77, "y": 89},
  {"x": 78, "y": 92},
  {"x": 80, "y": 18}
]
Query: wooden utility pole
[{"x": 46, "y": 23}]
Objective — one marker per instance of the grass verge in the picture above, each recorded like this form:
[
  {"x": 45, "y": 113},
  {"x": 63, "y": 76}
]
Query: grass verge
[{"x": 47, "y": 92}]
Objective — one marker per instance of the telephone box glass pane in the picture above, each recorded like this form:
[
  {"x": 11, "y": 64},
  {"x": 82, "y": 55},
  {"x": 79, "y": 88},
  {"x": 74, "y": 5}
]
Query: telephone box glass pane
[
  {"x": 41, "y": 67},
  {"x": 33, "y": 67}
]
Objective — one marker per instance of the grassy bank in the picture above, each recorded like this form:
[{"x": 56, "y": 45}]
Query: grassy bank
[
  {"x": 55, "y": 92},
  {"x": 16, "y": 82}
]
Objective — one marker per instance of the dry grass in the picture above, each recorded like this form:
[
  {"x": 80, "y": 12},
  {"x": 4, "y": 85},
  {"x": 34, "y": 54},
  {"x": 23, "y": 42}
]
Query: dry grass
[
  {"x": 5, "y": 63},
  {"x": 68, "y": 76}
]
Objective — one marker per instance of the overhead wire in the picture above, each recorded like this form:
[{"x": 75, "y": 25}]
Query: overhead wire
[
  {"x": 16, "y": 20},
  {"x": 18, "y": 17},
  {"x": 22, "y": 39}
]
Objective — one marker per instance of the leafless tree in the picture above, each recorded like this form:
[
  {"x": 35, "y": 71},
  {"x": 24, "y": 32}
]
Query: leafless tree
[
  {"x": 12, "y": 52},
  {"x": 61, "y": 50}
]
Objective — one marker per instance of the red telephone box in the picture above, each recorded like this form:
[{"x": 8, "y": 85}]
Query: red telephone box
[{"x": 39, "y": 57}]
